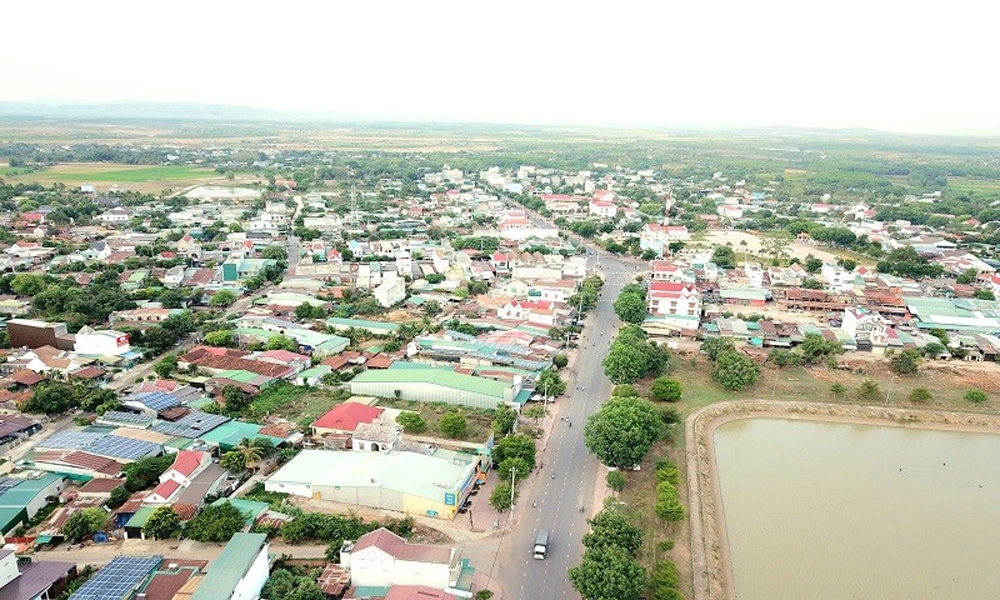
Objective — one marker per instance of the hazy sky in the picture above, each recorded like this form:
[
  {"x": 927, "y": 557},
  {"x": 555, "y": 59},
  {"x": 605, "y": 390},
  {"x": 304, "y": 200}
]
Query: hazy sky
[{"x": 904, "y": 66}]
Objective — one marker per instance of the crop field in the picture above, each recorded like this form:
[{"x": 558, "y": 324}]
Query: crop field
[{"x": 103, "y": 175}]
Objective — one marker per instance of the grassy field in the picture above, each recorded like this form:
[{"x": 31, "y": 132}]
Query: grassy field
[
  {"x": 142, "y": 178},
  {"x": 296, "y": 403},
  {"x": 968, "y": 184},
  {"x": 479, "y": 421}
]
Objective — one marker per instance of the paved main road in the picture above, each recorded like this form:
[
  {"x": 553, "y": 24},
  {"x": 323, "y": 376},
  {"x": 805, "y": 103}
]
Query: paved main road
[{"x": 576, "y": 471}]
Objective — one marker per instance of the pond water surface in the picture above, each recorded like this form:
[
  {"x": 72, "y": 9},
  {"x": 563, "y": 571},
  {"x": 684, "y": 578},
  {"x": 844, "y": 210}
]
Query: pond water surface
[{"x": 820, "y": 510}]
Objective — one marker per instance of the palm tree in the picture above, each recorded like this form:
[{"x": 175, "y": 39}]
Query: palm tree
[{"x": 250, "y": 451}]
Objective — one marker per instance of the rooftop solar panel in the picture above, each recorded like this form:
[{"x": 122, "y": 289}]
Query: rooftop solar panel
[
  {"x": 192, "y": 426},
  {"x": 7, "y": 483},
  {"x": 123, "y": 448},
  {"x": 70, "y": 439},
  {"x": 117, "y": 579},
  {"x": 156, "y": 400},
  {"x": 127, "y": 418}
]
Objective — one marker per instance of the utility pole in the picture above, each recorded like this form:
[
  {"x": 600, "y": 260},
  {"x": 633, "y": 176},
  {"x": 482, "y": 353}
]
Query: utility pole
[{"x": 512, "y": 471}]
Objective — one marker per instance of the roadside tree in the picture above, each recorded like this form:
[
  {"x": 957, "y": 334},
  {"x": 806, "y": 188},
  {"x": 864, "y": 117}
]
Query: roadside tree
[
  {"x": 609, "y": 575},
  {"x": 622, "y": 431}
]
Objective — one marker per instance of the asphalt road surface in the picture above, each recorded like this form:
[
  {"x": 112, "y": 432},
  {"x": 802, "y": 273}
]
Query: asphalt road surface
[{"x": 576, "y": 471}]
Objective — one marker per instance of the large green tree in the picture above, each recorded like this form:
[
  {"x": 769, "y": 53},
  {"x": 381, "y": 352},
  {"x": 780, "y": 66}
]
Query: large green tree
[
  {"x": 550, "y": 383},
  {"x": 630, "y": 307},
  {"x": 84, "y": 522},
  {"x": 735, "y": 371},
  {"x": 622, "y": 431},
  {"x": 609, "y": 575},
  {"x": 453, "y": 424},
  {"x": 610, "y": 528},
  {"x": 504, "y": 419},
  {"x": 520, "y": 446},
  {"x": 162, "y": 524},
  {"x": 216, "y": 523}
]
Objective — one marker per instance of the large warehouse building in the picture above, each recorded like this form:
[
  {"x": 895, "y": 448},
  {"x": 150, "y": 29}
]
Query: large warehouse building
[
  {"x": 418, "y": 484},
  {"x": 433, "y": 384}
]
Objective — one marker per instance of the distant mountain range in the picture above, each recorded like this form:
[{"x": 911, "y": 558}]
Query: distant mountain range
[{"x": 143, "y": 110}]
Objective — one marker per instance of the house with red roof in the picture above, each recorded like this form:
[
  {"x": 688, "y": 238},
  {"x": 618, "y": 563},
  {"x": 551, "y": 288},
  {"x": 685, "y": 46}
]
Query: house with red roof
[
  {"x": 383, "y": 559},
  {"x": 603, "y": 208},
  {"x": 344, "y": 418},
  {"x": 673, "y": 298},
  {"x": 187, "y": 465},
  {"x": 534, "y": 311}
]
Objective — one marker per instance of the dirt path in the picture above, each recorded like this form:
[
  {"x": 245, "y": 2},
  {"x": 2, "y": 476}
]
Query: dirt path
[
  {"x": 100, "y": 554},
  {"x": 709, "y": 549}
]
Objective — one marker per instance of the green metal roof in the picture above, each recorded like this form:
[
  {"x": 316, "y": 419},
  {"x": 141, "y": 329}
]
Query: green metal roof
[
  {"x": 317, "y": 371},
  {"x": 230, "y": 567},
  {"x": 231, "y": 433},
  {"x": 239, "y": 375},
  {"x": 138, "y": 520},
  {"x": 434, "y": 376},
  {"x": 362, "y": 323},
  {"x": 11, "y": 517},
  {"x": 25, "y": 492}
]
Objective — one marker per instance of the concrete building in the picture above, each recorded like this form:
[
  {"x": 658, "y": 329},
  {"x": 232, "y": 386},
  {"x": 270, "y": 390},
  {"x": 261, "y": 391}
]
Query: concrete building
[
  {"x": 247, "y": 268},
  {"x": 418, "y": 484},
  {"x": 30, "y": 333},
  {"x": 105, "y": 342},
  {"x": 34, "y": 579},
  {"x": 383, "y": 559},
  {"x": 391, "y": 291},
  {"x": 239, "y": 573}
]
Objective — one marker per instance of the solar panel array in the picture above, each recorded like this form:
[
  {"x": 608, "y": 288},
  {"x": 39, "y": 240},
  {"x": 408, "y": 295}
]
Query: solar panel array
[
  {"x": 126, "y": 418},
  {"x": 117, "y": 579},
  {"x": 123, "y": 448},
  {"x": 70, "y": 440},
  {"x": 7, "y": 483},
  {"x": 156, "y": 400},
  {"x": 192, "y": 425}
]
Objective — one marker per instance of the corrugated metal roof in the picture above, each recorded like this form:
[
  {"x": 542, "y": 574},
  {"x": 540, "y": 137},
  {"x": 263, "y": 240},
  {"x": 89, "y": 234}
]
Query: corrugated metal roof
[{"x": 229, "y": 568}]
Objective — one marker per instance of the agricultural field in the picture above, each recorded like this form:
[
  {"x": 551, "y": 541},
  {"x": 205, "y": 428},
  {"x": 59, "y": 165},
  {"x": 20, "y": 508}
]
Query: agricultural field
[{"x": 104, "y": 175}]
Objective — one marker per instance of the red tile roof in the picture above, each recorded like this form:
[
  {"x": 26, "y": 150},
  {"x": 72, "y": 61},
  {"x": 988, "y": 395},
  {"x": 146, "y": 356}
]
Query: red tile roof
[
  {"x": 417, "y": 592},
  {"x": 26, "y": 377},
  {"x": 379, "y": 361},
  {"x": 395, "y": 546},
  {"x": 282, "y": 356},
  {"x": 187, "y": 462},
  {"x": 165, "y": 584},
  {"x": 166, "y": 488},
  {"x": 230, "y": 360},
  {"x": 347, "y": 416},
  {"x": 101, "y": 486}
]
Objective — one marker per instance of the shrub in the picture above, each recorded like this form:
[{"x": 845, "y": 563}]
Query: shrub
[
  {"x": 920, "y": 395},
  {"x": 668, "y": 502},
  {"x": 975, "y": 396},
  {"x": 665, "y": 389},
  {"x": 616, "y": 480},
  {"x": 869, "y": 391}
]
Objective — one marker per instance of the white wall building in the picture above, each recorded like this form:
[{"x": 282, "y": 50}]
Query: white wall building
[
  {"x": 106, "y": 342},
  {"x": 391, "y": 291},
  {"x": 383, "y": 559}
]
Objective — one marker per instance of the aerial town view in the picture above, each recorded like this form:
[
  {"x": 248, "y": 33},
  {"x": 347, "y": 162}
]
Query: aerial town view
[{"x": 439, "y": 301}]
